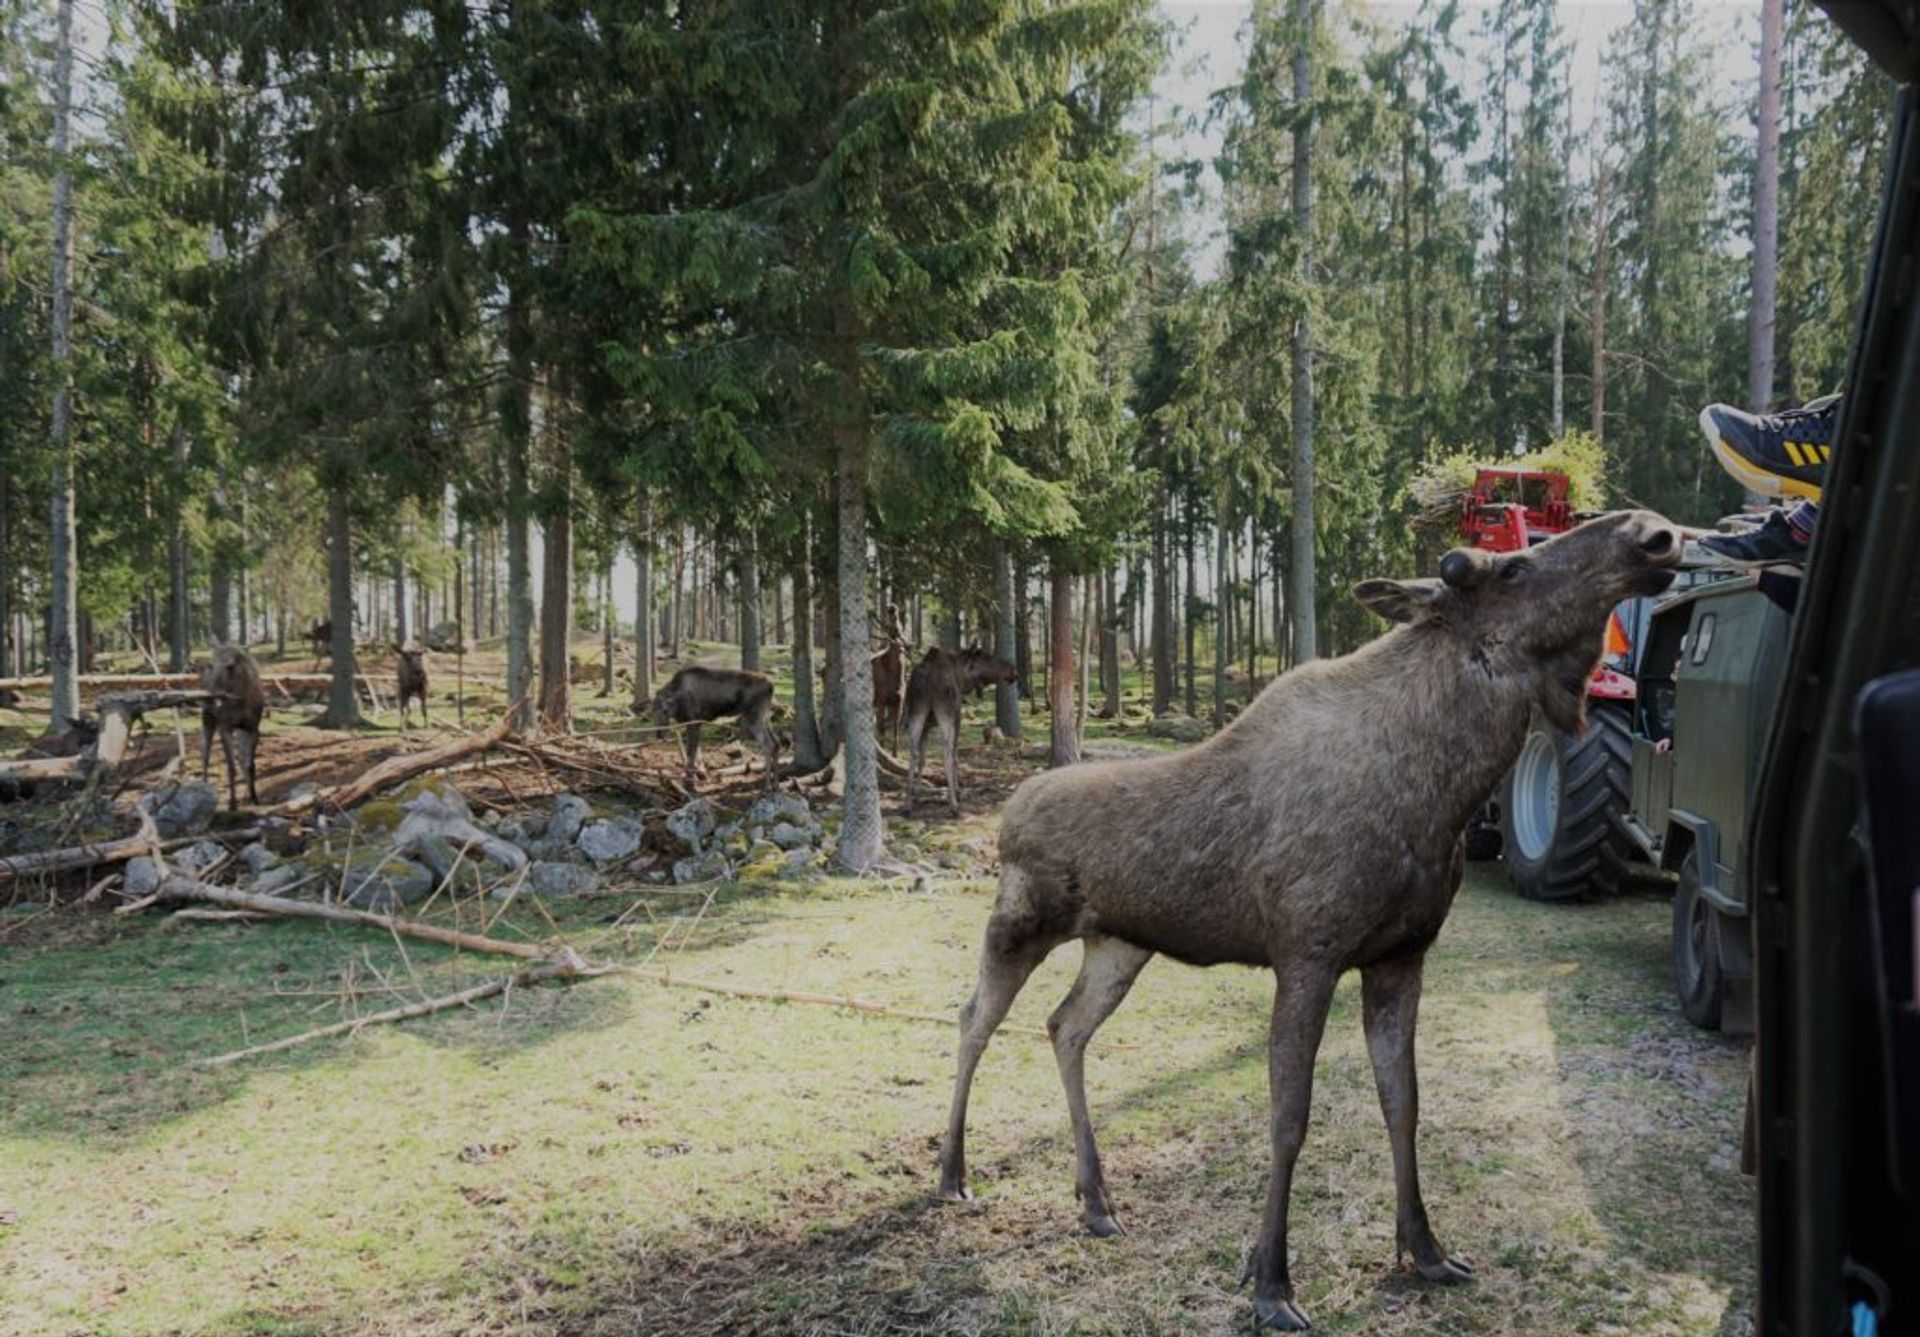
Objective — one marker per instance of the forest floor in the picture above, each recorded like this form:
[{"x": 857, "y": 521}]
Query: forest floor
[{"x": 622, "y": 1157}]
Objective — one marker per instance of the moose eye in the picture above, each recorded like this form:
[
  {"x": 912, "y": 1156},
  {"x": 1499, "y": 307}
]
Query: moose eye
[{"x": 1514, "y": 572}]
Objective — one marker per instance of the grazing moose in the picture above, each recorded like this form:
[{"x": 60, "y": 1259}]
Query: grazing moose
[
  {"x": 1320, "y": 832},
  {"x": 696, "y": 695},
  {"x": 240, "y": 703},
  {"x": 890, "y": 681},
  {"x": 320, "y": 637},
  {"x": 934, "y": 692},
  {"x": 411, "y": 670}
]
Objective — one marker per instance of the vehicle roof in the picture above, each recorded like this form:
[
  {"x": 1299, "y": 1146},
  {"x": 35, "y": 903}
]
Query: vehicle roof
[{"x": 1887, "y": 30}]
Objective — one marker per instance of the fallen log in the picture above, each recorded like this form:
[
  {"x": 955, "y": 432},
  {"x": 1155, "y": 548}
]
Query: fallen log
[
  {"x": 177, "y": 888},
  {"x": 546, "y": 970},
  {"x": 396, "y": 770},
  {"x": 111, "y": 851}
]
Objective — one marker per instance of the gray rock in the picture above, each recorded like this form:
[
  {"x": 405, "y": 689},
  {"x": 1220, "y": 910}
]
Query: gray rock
[
  {"x": 200, "y": 856},
  {"x": 258, "y": 858},
  {"x": 556, "y": 879},
  {"x": 790, "y": 837},
  {"x": 570, "y": 813},
  {"x": 1180, "y": 728},
  {"x": 283, "y": 878},
  {"x": 181, "y": 809},
  {"x": 305, "y": 789},
  {"x": 142, "y": 876},
  {"x": 440, "y": 855},
  {"x": 379, "y": 881},
  {"x": 801, "y": 864},
  {"x": 771, "y": 808},
  {"x": 692, "y": 822},
  {"x": 443, "y": 638},
  {"x": 439, "y": 799},
  {"x": 701, "y": 868},
  {"x": 610, "y": 839}
]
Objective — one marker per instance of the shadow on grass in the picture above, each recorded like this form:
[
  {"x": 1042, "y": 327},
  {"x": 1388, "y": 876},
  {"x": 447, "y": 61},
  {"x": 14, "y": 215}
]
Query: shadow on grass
[{"x": 100, "y": 1026}]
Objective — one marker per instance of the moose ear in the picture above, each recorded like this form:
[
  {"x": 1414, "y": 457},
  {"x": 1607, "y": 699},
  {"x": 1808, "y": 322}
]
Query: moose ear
[
  {"x": 1399, "y": 600},
  {"x": 1463, "y": 568}
]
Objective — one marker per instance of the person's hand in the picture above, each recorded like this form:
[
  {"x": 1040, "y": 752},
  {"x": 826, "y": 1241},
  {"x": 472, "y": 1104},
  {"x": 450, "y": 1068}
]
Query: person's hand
[{"x": 1664, "y": 746}]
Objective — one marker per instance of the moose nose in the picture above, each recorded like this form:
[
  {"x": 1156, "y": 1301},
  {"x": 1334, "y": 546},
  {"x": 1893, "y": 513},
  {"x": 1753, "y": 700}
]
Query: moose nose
[{"x": 1660, "y": 542}]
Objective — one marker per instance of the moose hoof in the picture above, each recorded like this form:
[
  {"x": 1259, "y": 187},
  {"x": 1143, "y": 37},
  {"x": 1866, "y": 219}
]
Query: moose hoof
[
  {"x": 1279, "y": 1316},
  {"x": 1105, "y": 1226},
  {"x": 954, "y": 1192},
  {"x": 1448, "y": 1271}
]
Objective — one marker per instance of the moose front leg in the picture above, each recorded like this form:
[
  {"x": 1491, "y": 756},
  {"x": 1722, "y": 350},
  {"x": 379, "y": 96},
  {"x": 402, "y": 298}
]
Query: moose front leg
[
  {"x": 690, "y": 746},
  {"x": 1302, "y": 993},
  {"x": 1390, "y": 1002}
]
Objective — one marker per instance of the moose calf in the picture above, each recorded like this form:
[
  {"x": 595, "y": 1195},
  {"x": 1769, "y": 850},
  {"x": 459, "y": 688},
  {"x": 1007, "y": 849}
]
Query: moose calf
[
  {"x": 240, "y": 703},
  {"x": 411, "y": 670},
  {"x": 696, "y": 695},
  {"x": 1318, "y": 833},
  {"x": 935, "y": 692}
]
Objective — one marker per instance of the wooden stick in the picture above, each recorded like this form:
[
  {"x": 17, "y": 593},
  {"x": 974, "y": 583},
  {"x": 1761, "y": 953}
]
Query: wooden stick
[
  {"x": 187, "y": 889},
  {"x": 848, "y": 1001},
  {"x": 395, "y": 770},
  {"x": 110, "y": 851},
  {"x": 546, "y": 970}
]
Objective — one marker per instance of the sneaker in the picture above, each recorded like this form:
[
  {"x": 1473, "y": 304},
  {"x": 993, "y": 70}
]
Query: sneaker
[
  {"x": 1775, "y": 454},
  {"x": 1774, "y": 543}
]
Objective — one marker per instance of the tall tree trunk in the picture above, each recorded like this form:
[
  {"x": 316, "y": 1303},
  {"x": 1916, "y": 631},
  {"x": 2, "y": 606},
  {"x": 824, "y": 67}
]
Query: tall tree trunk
[
  {"x": 678, "y": 629},
  {"x": 1222, "y": 651},
  {"x": 1063, "y": 728},
  {"x": 556, "y": 586},
  {"x": 750, "y": 604},
  {"x": 179, "y": 600},
  {"x": 61, "y": 648},
  {"x": 832, "y": 731},
  {"x": 1089, "y": 614},
  {"x": 607, "y": 647},
  {"x": 343, "y": 707},
  {"x": 1561, "y": 293},
  {"x": 1162, "y": 634},
  {"x": 643, "y": 618},
  {"x": 1598, "y": 303},
  {"x": 862, "y": 830},
  {"x": 401, "y": 626},
  {"x": 1023, "y": 630},
  {"x": 1766, "y": 214},
  {"x": 1006, "y": 695},
  {"x": 516, "y": 434},
  {"x": 807, "y": 751},
  {"x": 1191, "y": 608},
  {"x": 220, "y": 596},
  {"x": 780, "y": 612},
  {"x": 1109, "y": 647},
  {"x": 1253, "y": 608},
  {"x": 461, "y": 540},
  {"x": 1303, "y": 521}
]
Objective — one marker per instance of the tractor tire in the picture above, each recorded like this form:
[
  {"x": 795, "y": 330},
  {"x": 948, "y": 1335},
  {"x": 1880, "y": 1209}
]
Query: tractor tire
[
  {"x": 1697, "y": 926},
  {"x": 1560, "y": 808}
]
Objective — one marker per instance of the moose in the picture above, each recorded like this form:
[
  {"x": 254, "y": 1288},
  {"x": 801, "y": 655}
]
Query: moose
[
  {"x": 320, "y": 637},
  {"x": 410, "y": 669},
  {"x": 697, "y": 695},
  {"x": 238, "y": 704},
  {"x": 1319, "y": 832},
  {"x": 934, "y": 692},
  {"x": 890, "y": 681}
]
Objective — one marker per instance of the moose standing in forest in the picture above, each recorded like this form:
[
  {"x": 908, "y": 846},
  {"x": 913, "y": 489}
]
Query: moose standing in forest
[
  {"x": 936, "y": 691},
  {"x": 410, "y": 672},
  {"x": 1318, "y": 833},
  {"x": 890, "y": 681},
  {"x": 239, "y": 703},
  {"x": 698, "y": 695}
]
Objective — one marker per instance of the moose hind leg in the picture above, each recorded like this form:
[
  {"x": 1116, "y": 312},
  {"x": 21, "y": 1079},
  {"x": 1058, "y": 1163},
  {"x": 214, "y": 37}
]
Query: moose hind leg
[
  {"x": 1107, "y": 972},
  {"x": 1390, "y": 1001},
  {"x": 950, "y": 756},
  {"x": 916, "y": 753},
  {"x": 1007, "y": 958}
]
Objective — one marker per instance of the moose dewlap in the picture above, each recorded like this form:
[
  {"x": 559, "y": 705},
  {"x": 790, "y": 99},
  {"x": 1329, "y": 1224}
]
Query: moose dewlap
[{"x": 1319, "y": 833}]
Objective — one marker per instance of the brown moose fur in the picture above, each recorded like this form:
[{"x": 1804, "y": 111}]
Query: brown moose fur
[
  {"x": 243, "y": 701},
  {"x": 1319, "y": 833},
  {"x": 410, "y": 669},
  {"x": 934, "y": 692},
  {"x": 890, "y": 681},
  {"x": 320, "y": 637},
  {"x": 697, "y": 694}
]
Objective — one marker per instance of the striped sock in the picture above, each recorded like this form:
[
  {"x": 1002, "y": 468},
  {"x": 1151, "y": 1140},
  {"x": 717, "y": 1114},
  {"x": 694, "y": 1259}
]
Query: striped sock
[{"x": 1802, "y": 519}]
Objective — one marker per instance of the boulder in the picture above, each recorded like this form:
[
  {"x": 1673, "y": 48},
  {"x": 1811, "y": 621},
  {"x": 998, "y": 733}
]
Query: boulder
[
  {"x": 800, "y": 864},
  {"x": 790, "y": 837},
  {"x": 1180, "y": 728},
  {"x": 258, "y": 858},
  {"x": 702, "y": 868},
  {"x": 570, "y": 813},
  {"x": 142, "y": 876},
  {"x": 610, "y": 839},
  {"x": 444, "y": 638},
  {"x": 692, "y": 822},
  {"x": 376, "y": 880},
  {"x": 771, "y": 808},
  {"x": 282, "y": 878},
  {"x": 555, "y": 879},
  {"x": 181, "y": 809},
  {"x": 200, "y": 856}
]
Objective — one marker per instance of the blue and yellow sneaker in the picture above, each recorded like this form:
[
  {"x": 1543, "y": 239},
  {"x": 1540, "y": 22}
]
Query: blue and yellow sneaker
[{"x": 1775, "y": 454}]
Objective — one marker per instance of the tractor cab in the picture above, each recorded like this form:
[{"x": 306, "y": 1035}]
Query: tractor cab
[{"x": 1508, "y": 509}]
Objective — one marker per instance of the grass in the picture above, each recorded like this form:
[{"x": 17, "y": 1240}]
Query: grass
[{"x": 620, "y": 1157}]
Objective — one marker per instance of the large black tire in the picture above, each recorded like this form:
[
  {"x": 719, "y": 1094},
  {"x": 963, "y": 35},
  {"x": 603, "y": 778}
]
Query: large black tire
[
  {"x": 1697, "y": 926},
  {"x": 1561, "y": 805}
]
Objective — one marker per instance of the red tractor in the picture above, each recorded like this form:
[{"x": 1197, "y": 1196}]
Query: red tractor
[{"x": 1555, "y": 815}]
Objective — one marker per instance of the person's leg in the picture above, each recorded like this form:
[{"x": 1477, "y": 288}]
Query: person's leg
[{"x": 1774, "y": 454}]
